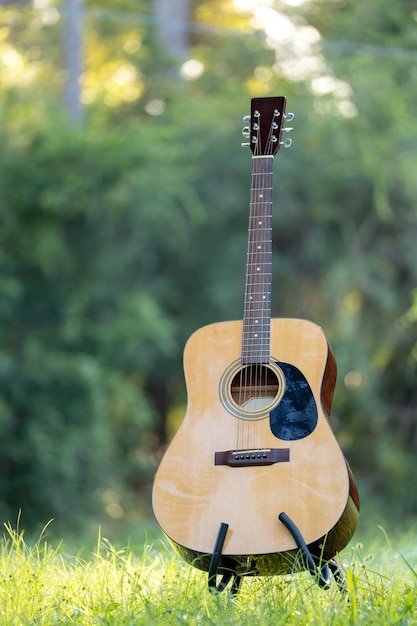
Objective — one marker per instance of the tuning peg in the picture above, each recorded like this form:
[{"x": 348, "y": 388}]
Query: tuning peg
[
  {"x": 288, "y": 129},
  {"x": 289, "y": 117},
  {"x": 245, "y": 145},
  {"x": 286, "y": 143},
  {"x": 246, "y": 131},
  {"x": 246, "y": 118}
]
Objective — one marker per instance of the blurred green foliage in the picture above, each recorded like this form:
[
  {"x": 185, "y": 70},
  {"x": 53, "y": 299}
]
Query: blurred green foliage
[{"x": 121, "y": 236}]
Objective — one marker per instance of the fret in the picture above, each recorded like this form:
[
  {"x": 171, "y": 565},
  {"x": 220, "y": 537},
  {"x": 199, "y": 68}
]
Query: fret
[
  {"x": 252, "y": 342},
  {"x": 262, "y": 262},
  {"x": 256, "y": 275},
  {"x": 253, "y": 265},
  {"x": 262, "y": 310}
]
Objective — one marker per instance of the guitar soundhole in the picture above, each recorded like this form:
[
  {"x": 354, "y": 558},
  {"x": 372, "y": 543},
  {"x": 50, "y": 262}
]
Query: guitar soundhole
[
  {"x": 254, "y": 387},
  {"x": 251, "y": 391}
]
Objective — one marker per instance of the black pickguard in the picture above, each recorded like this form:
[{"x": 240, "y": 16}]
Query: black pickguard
[{"x": 295, "y": 417}]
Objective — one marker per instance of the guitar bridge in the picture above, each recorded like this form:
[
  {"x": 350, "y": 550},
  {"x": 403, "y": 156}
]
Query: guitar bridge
[{"x": 248, "y": 458}]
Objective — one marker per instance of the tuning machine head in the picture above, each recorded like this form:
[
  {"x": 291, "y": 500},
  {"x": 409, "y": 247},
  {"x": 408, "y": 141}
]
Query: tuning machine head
[
  {"x": 246, "y": 131},
  {"x": 287, "y": 143}
]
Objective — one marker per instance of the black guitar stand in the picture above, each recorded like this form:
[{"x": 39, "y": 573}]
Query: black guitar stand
[
  {"x": 321, "y": 574},
  {"x": 213, "y": 586}
]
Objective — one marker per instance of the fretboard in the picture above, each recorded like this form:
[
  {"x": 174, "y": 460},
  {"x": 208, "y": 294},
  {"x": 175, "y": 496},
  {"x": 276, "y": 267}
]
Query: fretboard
[{"x": 257, "y": 309}]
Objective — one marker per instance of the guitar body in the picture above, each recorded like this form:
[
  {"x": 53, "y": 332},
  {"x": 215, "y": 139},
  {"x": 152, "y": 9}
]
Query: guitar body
[{"x": 193, "y": 495}]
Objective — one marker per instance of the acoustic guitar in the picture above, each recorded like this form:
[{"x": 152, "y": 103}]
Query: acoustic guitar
[{"x": 255, "y": 470}]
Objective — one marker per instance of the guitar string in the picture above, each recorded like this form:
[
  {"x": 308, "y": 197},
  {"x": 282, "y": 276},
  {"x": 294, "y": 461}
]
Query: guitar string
[
  {"x": 244, "y": 367},
  {"x": 240, "y": 399},
  {"x": 266, "y": 312},
  {"x": 264, "y": 212},
  {"x": 258, "y": 281},
  {"x": 258, "y": 183},
  {"x": 248, "y": 296},
  {"x": 251, "y": 367},
  {"x": 256, "y": 347},
  {"x": 247, "y": 347},
  {"x": 273, "y": 138}
]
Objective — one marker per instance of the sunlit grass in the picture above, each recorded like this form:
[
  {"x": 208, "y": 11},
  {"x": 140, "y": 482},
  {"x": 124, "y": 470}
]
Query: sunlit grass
[{"x": 40, "y": 584}]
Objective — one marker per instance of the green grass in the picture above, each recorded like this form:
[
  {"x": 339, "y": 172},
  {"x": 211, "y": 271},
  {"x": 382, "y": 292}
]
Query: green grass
[{"x": 43, "y": 585}]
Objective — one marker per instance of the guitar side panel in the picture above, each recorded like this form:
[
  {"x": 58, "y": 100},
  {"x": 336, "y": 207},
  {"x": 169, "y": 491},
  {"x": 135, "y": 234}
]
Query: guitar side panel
[{"x": 192, "y": 495}]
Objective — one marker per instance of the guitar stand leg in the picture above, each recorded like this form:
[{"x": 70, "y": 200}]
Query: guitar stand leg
[
  {"x": 338, "y": 575},
  {"x": 213, "y": 586},
  {"x": 322, "y": 575}
]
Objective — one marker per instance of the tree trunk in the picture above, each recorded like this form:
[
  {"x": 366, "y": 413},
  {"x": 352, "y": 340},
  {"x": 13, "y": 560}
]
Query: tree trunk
[
  {"x": 172, "y": 17},
  {"x": 72, "y": 50}
]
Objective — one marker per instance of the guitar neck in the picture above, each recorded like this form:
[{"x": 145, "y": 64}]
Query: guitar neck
[{"x": 257, "y": 307}]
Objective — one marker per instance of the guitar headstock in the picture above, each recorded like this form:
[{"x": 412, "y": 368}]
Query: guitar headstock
[{"x": 267, "y": 125}]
